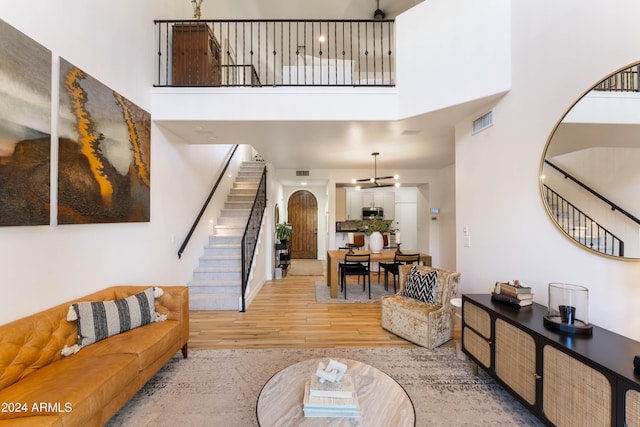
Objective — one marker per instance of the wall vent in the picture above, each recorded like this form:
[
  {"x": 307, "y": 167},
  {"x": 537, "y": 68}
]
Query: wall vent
[
  {"x": 483, "y": 122},
  {"x": 302, "y": 173}
]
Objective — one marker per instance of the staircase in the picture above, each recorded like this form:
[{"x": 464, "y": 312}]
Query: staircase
[
  {"x": 580, "y": 227},
  {"x": 217, "y": 281}
]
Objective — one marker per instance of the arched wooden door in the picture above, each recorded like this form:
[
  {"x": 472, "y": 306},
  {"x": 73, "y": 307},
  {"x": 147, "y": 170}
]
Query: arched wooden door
[{"x": 303, "y": 216}]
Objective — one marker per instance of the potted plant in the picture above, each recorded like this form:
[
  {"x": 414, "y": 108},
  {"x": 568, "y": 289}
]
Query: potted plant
[
  {"x": 374, "y": 229},
  {"x": 284, "y": 231},
  {"x": 376, "y": 224}
]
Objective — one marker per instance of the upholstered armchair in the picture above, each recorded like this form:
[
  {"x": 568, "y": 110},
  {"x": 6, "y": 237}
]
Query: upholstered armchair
[{"x": 426, "y": 324}]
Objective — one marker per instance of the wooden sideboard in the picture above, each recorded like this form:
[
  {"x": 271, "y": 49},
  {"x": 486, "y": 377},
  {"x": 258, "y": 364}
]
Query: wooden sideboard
[
  {"x": 565, "y": 379},
  {"x": 196, "y": 56}
]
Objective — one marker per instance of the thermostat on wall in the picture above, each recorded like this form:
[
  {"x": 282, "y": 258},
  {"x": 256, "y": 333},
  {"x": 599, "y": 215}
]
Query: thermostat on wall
[{"x": 435, "y": 211}]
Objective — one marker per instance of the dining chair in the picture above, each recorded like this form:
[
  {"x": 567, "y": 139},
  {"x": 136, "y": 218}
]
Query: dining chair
[
  {"x": 356, "y": 265},
  {"x": 388, "y": 267},
  {"x": 358, "y": 242}
]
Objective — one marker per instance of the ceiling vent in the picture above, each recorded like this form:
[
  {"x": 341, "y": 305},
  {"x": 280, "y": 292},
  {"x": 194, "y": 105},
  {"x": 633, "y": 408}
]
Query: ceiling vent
[
  {"x": 483, "y": 122},
  {"x": 302, "y": 173}
]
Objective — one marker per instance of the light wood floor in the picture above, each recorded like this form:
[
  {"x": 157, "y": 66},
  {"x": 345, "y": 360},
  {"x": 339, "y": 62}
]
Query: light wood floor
[{"x": 285, "y": 314}]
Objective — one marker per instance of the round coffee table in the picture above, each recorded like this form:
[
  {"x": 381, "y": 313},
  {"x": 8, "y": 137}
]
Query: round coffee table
[{"x": 383, "y": 402}]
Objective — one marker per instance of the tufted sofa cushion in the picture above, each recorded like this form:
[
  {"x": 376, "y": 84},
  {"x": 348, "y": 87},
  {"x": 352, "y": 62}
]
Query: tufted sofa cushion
[
  {"x": 97, "y": 380},
  {"x": 72, "y": 383}
]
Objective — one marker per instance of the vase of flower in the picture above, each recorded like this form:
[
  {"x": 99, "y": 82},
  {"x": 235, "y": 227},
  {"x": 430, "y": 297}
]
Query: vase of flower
[{"x": 376, "y": 242}]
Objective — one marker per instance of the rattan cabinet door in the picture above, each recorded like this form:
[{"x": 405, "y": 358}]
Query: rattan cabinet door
[
  {"x": 477, "y": 318},
  {"x": 515, "y": 360},
  {"x": 574, "y": 394},
  {"x": 476, "y": 333},
  {"x": 477, "y": 346},
  {"x": 632, "y": 408}
]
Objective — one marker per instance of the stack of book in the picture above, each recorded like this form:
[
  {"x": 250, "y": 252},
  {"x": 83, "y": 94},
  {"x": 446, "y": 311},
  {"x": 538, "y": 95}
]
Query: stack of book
[
  {"x": 512, "y": 293},
  {"x": 331, "y": 399}
]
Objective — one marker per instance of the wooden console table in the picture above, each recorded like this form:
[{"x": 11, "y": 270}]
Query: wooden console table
[
  {"x": 565, "y": 379},
  {"x": 333, "y": 257}
]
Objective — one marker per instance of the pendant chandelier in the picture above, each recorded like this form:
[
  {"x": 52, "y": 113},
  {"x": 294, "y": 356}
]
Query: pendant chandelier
[{"x": 375, "y": 181}]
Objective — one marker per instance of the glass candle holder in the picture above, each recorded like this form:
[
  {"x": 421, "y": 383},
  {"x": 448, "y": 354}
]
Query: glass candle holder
[{"x": 568, "y": 308}]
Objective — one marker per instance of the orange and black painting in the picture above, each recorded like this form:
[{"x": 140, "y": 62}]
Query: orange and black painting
[
  {"x": 104, "y": 153},
  {"x": 25, "y": 129}
]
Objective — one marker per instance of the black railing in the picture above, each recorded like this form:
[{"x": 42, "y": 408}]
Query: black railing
[
  {"x": 627, "y": 80},
  {"x": 581, "y": 227},
  {"x": 613, "y": 206},
  {"x": 205, "y": 53},
  {"x": 206, "y": 203},
  {"x": 251, "y": 232}
]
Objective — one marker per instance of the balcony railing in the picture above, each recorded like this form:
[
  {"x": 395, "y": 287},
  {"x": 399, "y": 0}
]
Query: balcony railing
[
  {"x": 581, "y": 227},
  {"x": 225, "y": 53},
  {"x": 627, "y": 80}
]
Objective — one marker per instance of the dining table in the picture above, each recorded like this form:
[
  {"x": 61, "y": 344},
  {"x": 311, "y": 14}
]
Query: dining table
[{"x": 386, "y": 255}]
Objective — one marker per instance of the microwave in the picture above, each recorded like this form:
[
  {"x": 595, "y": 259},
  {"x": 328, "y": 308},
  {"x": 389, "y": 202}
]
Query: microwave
[{"x": 371, "y": 212}]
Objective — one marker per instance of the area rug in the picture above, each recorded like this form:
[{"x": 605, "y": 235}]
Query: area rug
[
  {"x": 221, "y": 387},
  {"x": 355, "y": 294},
  {"x": 306, "y": 267}
]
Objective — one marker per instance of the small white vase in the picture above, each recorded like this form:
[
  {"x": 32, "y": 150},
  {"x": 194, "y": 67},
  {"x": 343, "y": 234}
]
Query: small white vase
[{"x": 376, "y": 242}]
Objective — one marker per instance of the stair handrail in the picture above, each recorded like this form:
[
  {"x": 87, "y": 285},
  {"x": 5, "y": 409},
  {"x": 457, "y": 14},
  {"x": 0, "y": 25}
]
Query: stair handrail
[
  {"x": 614, "y": 207},
  {"x": 587, "y": 220},
  {"x": 206, "y": 203},
  {"x": 251, "y": 231}
]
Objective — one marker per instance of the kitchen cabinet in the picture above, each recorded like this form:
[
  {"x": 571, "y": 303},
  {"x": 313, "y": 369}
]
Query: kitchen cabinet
[
  {"x": 354, "y": 204},
  {"x": 565, "y": 379},
  {"x": 356, "y": 200},
  {"x": 389, "y": 204},
  {"x": 341, "y": 204}
]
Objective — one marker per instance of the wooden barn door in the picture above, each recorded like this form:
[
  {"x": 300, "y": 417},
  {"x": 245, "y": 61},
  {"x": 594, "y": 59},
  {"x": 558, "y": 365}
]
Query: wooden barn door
[{"x": 303, "y": 216}]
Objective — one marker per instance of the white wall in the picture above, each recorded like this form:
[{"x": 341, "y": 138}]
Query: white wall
[
  {"x": 443, "y": 225},
  {"x": 451, "y": 52},
  {"x": 45, "y": 265},
  {"x": 557, "y": 56}
]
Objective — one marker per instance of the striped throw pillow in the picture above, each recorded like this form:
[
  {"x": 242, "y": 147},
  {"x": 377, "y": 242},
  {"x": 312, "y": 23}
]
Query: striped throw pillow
[
  {"x": 102, "y": 319},
  {"x": 421, "y": 286}
]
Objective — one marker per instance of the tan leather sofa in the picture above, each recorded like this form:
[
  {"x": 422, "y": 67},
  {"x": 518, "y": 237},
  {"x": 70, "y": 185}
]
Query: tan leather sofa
[
  {"x": 40, "y": 387},
  {"x": 426, "y": 324}
]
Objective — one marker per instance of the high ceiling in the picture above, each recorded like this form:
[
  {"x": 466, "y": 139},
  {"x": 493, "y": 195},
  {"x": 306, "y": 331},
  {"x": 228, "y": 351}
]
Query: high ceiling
[
  {"x": 331, "y": 9},
  {"x": 424, "y": 142}
]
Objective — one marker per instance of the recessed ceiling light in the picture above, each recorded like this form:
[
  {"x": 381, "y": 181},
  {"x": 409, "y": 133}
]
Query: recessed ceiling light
[
  {"x": 321, "y": 39},
  {"x": 201, "y": 130},
  {"x": 303, "y": 183}
]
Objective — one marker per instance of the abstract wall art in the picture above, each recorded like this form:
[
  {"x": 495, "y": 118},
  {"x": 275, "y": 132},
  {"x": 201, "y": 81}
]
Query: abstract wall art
[
  {"x": 25, "y": 129},
  {"x": 104, "y": 153}
]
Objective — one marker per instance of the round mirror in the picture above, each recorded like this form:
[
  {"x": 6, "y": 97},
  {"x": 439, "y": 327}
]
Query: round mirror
[{"x": 590, "y": 171}]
